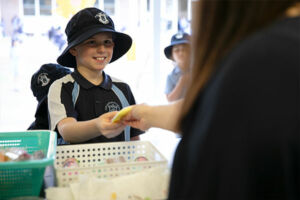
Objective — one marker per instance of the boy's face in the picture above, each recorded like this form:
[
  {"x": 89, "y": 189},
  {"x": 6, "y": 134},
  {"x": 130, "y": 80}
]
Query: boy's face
[
  {"x": 94, "y": 53},
  {"x": 180, "y": 54}
]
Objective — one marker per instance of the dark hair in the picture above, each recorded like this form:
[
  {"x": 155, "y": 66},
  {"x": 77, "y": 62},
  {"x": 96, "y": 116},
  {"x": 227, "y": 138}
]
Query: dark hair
[{"x": 217, "y": 26}]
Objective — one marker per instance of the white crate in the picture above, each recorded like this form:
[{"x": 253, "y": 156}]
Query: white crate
[{"x": 92, "y": 160}]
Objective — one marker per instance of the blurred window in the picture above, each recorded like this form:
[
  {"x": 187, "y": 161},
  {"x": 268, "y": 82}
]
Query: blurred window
[
  {"x": 109, "y": 7},
  {"x": 29, "y": 7},
  {"x": 96, "y": 4},
  {"x": 148, "y": 5},
  {"x": 45, "y": 7}
]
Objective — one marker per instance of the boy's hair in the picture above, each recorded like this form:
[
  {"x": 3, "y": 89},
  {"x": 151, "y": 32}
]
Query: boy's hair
[
  {"x": 84, "y": 25},
  {"x": 40, "y": 83}
]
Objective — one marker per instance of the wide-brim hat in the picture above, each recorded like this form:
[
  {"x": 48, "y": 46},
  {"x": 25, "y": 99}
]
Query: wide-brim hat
[
  {"x": 41, "y": 81},
  {"x": 44, "y": 77},
  {"x": 84, "y": 25},
  {"x": 178, "y": 38}
]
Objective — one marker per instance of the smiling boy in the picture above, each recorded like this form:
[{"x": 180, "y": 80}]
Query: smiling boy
[{"x": 77, "y": 102}]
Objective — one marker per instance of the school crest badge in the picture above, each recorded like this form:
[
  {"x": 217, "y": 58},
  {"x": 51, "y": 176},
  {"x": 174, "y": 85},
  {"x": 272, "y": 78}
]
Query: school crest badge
[
  {"x": 43, "y": 79},
  {"x": 112, "y": 106},
  {"x": 102, "y": 17}
]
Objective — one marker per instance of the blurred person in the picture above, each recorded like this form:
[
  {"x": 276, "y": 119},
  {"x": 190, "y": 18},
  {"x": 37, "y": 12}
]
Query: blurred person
[
  {"x": 183, "y": 24},
  {"x": 51, "y": 33},
  {"x": 58, "y": 37},
  {"x": 179, "y": 52},
  {"x": 240, "y": 117},
  {"x": 2, "y": 28},
  {"x": 17, "y": 31},
  {"x": 40, "y": 83},
  {"x": 77, "y": 101}
]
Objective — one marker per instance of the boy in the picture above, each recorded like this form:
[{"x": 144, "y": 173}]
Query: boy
[
  {"x": 178, "y": 51},
  {"x": 77, "y": 101}
]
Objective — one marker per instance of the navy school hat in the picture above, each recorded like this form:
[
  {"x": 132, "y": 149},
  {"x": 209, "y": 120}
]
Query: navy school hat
[
  {"x": 44, "y": 77},
  {"x": 178, "y": 38},
  {"x": 84, "y": 25}
]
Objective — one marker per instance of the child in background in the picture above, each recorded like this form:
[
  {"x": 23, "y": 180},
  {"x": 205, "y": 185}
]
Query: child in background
[
  {"x": 40, "y": 83},
  {"x": 179, "y": 52},
  {"x": 76, "y": 103}
]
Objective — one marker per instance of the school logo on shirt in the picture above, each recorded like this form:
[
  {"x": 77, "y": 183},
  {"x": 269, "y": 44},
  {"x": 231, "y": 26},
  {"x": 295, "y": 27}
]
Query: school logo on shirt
[{"x": 112, "y": 106}]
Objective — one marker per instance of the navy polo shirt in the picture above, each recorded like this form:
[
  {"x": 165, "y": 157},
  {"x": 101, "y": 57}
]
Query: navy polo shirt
[{"x": 92, "y": 101}]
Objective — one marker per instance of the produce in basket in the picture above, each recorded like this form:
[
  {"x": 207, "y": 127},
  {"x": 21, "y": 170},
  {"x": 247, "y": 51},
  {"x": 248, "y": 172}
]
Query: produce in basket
[
  {"x": 141, "y": 158},
  {"x": 3, "y": 157},
  {"x": 19, "y": 154},
  {"x": 119, "y": 159},
  {"x": 71, "y": 162}
]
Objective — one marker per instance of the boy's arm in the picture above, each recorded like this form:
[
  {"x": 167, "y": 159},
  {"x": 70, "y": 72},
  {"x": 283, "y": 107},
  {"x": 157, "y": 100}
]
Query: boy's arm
[
  {"x": 74, "y": 131},
  {"x": 135, "y": 138},
  {"x": 179, "y": 89}
]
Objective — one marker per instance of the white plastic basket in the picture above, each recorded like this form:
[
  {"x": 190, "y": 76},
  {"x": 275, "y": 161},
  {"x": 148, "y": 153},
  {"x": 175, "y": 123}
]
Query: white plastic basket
[{"x": 92, "y": 160}]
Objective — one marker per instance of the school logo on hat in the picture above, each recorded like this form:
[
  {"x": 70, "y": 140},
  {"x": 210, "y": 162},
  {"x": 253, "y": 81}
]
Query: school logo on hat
[
  {"x": 43, "y": 79},
  {"x": 102, "y": 17},
  {"x": 179, "y": 35}
]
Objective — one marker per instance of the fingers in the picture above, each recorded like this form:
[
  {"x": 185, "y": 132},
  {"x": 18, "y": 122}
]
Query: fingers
[
  {"x": 111, "y": 130},
  {"x": 107, "y": 128}
]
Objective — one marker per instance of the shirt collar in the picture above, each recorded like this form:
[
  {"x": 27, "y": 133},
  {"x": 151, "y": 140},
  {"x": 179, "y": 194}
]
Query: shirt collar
[{"x": 83, "y": 82}]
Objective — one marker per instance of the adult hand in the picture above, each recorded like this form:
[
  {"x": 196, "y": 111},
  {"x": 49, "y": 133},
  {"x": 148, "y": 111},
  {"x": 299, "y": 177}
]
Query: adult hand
[{"x": 138, "y": 117}]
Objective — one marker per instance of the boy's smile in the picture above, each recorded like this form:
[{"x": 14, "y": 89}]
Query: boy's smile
[{"x": 94, "y": 53}]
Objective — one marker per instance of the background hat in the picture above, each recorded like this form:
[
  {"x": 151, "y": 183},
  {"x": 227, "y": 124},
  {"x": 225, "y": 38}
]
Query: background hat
[
  {"x": 84, "y": 25},
  {"x": 44, "y": 77},
  {"x": 178, "y": 38}
]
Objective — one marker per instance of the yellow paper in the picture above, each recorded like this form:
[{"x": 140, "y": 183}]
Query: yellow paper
[{"x": 122, "y": 113}]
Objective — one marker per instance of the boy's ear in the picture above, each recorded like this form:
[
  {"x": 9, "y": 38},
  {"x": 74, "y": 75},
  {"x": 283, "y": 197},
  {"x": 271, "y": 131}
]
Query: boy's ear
[{"x": 73, "y": 51}]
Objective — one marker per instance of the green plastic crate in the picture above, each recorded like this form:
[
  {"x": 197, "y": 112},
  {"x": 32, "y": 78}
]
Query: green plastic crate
[{"x": 25, "y": 178}]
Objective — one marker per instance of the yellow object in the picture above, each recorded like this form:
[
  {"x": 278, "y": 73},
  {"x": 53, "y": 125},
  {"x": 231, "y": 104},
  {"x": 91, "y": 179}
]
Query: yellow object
[
  {"x": 122, "y": 113},
  {"x": 113, "y": 196},
  {"x": 131, "y": 53},
  {"x": 67, "y": 8}
]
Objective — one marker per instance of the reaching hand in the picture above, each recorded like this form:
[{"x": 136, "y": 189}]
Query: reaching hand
[{"x": 137, "y": 117}]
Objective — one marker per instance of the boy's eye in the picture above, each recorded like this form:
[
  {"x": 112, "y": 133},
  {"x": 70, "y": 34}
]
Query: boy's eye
[
  {"x": 90, "y": 42},
  {"x": 176, "y": 49},
  {"x": 108, "y": 43}
]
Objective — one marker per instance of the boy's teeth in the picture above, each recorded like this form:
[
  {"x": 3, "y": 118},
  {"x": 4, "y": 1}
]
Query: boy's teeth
[{"x": 100, "y": 58}]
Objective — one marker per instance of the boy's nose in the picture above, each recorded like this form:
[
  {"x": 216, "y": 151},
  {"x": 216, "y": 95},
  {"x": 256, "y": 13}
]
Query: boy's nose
[{"x": 100, "y": 47}]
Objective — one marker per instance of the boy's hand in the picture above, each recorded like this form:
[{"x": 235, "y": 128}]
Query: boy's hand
[{"x": 107, "y": 128}]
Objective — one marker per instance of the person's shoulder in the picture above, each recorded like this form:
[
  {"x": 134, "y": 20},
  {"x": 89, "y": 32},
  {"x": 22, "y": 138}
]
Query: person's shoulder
[
  {"x": 270, "y": 46},
  {"x": 280, "y": 34},
  {"x": 61, "y": 81},
  {"x": 267, "y": 54}
]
